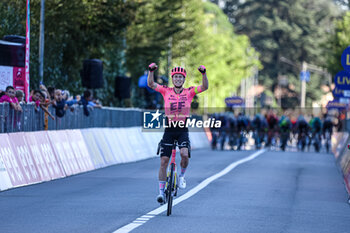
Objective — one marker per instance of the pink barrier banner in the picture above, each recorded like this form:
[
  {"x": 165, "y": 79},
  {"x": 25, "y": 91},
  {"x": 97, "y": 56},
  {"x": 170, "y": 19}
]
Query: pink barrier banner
[
  {"x": 51, "y": 159},
  {"x": 138, "y": 143},
  {"x": 123, "y": 142},
  {"x": 24, "y": 157},
  {"x": 103, "y": 146},
  {"x": 339, "y": 143},
  {"x": 112, "y": 139},
  {"x": 5, "y": 182},
  {"x": 14, "y": 169},
  {"x": 63, "y": 151},
  {"x": 46, "y": 157},
  {"x": 81, "y": 153},
  {"x": 38, "y": 157},
  {"x": 95, "y": 153}
]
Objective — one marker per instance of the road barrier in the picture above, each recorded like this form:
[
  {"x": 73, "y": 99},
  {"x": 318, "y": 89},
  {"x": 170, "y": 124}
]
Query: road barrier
[
  {"x": 340, "y": 143},
  {"x": 33, "y": 157},
  {"x": 32, "y": 119}
]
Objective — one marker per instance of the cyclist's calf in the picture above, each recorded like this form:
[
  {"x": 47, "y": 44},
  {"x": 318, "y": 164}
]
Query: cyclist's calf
[
  {"x": 184, "y": 157},
  {"x": 164, "y": 161}
]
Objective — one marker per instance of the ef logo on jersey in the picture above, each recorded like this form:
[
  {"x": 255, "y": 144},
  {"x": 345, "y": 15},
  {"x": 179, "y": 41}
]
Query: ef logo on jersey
[
  {"x": 152, "y": 120},
  {"x": 177, "y": 106}
]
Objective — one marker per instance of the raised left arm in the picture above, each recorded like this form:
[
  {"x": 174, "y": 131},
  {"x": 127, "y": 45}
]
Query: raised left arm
[{"x": 205, "y": 84}]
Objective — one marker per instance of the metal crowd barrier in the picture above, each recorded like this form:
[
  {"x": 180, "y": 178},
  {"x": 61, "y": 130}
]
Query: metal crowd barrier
[{"x": 36, "y": 120}]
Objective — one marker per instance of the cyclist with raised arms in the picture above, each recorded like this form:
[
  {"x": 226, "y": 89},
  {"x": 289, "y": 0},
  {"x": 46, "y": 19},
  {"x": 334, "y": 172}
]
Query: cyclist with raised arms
[{"x": 177, "y": 104}]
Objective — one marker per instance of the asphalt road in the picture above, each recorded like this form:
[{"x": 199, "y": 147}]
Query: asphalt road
[{"x": 274, "y": 192}]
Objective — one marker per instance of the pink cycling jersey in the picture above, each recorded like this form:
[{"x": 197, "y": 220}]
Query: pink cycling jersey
[
  {"x": 177, "y": 106},
  {"x": 6, "y": 98}
]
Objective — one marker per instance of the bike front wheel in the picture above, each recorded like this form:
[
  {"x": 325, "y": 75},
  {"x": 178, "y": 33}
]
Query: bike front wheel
[{"x": 170, "y": 191}]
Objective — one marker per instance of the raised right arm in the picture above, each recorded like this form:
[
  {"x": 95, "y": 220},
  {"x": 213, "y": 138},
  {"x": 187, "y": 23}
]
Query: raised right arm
[{"x": 150, "y": 80}]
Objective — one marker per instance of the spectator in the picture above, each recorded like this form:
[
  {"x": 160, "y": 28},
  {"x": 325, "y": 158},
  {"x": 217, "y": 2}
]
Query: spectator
[
  {"x": 10, "y": 97},
  {"x": 59, "y": 103},
  {"x": 39, "y": 98},
  {"x": 78, "y": 98},
  {"x": 85, "y": 101},
  {"x": 35, "y": 98},
  {"x": 95, "y": 104},
  {"x": 51, "y": 91},
  {"x": 69, "y": 100},
  {"x": 44, "y": 90},
  {"x": 20, "y": 96}
]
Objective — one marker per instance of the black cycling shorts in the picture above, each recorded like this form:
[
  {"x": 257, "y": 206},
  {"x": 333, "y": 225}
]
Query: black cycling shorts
[{"x": 169, "y": 136}]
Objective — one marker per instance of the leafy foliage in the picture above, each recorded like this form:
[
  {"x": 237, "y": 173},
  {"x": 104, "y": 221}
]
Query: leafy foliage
[
  {"x": 338, "y": 41},
  {"x": 127, "y": 36},
  {"x": 295, "y": 29}
]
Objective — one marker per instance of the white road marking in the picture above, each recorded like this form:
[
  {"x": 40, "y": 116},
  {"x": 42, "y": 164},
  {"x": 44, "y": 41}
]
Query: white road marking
[
  {"x": 137, "y": 221},
  {"x": 142, "y": 219},
  {"x": 193, "y": 191}
]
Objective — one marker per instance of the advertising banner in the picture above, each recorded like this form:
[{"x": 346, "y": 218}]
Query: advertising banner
[
  {"x": 38, "y": 157},
  {"x": 12, "y": 76},
  {"x": 342, "y": 80},
  {"x": 345, "y": 59},
  {"x": 63, "y": 151},
  {"x": 137, "y": 143},
  {"x": 115, "y": 145},
  {"x": 52, "y": 162},
  {"x": 103, "y": 146},
  {"x": 129, "y": 152},
  {"x": 81, "y": 153},
  {"x": 14, "y": 169},
  {"x": 24, "y": 157},
  {"x": 95, "y": 153},
  {"x": 234, "y": 101},
  {"x": 5, "y": 182},
  {"x": 336, "y": 105}
]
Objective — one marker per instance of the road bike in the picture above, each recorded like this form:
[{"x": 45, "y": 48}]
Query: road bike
[{"x": 171, "y": 185}]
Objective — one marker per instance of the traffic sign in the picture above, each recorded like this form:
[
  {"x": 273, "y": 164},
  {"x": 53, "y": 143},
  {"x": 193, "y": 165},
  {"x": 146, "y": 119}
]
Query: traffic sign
[
  {"x": 305, "y": 76},
  {"x": 345, "y": 59}
]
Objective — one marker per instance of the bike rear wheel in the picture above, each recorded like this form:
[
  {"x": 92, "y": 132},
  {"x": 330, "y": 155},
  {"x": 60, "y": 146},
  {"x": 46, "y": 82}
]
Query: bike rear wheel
[{"x": 170, "y": 190}]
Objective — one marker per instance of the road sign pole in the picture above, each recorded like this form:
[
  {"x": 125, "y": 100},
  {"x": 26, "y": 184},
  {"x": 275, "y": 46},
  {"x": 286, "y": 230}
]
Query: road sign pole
[{"x": 303, "y": 86}]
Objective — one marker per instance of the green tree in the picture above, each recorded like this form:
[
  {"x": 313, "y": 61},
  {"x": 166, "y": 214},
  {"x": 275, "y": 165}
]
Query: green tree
[
  {"x": 295, "y": 29},
  {"x": 338, "y": 41},
  {"x": 74, "y": 30},
  {"x": 127, "y": 36},
  {"x": 227, "y": 56},
  {"x": 148, "y": 34}
]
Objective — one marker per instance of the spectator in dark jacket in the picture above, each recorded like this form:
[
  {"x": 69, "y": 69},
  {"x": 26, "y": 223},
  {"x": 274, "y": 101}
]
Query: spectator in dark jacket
[
  {"x": 85, "y": 101},
  {"x": 59, "y": 103}
]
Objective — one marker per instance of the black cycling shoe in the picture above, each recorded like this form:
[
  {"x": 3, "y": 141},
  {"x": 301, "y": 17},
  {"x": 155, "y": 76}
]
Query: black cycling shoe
[{"x": 161, "y": 199}]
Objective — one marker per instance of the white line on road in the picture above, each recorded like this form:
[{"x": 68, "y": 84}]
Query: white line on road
[{"x": 193, "y": 191}]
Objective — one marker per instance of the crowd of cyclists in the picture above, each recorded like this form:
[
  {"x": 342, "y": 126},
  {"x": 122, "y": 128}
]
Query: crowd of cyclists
[{"x": 269, "y": 130}]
